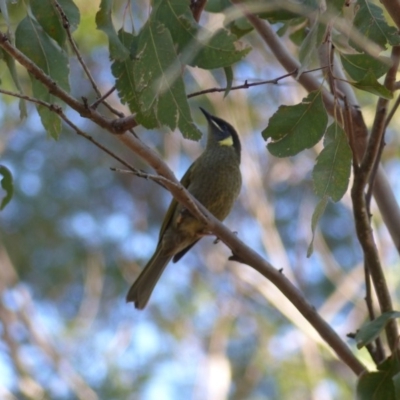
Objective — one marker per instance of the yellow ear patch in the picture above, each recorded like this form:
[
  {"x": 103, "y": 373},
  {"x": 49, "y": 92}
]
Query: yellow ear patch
[{"x": 226, "y": 142}]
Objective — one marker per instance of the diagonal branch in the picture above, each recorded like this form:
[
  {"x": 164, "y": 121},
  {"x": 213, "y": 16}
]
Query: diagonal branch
[{"x": 242, "y": 251}]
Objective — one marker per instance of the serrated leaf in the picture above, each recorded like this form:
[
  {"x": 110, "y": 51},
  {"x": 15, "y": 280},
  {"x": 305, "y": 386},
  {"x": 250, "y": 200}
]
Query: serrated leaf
[
  {"x": 199, "y": 47},
  {"x": 47, "y": 16},
  {"x": 370, "y": 331},
  {"x": 332, "y": 170},
  {"x": 370, "y": 84},
  {"x": 7, "y": 185},
  {"x": 317, "y": 214},
  {"x": 370, "y": 21},
  {"x": 296, "y": 128},
  {"x": 158, "y": 80},
  {"x": 31, "y": 40},
  {"x": 229, "y": 79},
  {"x": 376, "y": 386},
  {"x": 358, "y": 65},
  {"x": 125, "y": 83},
  {"x": 104, "y": 23}
]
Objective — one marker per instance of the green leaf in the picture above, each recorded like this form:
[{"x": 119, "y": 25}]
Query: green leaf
[
  {"x": 278, "y": 14},
  {"x": 317, "y": 214},
  {"x": 296, "y": 128},
  {"x": 309, "y": 47},
  {"x": 4, "y": 12},
  {"x": 358, "y": 65},
  {"x": 239, "y": 27},
  {"x": 217, "y": 6},
  {"x": 47, "y": 15},
  {"x": 198, "y": 46},
  {"x": 72, "y": 12},
  {"x": 7, "y": 184},
  {"x": 332, "y": 170},
  {"x": 125, "y": 83},
  {"x": 229, "y": 79},
  {"x": 370, "y": 331},
  {"x": 37, "y": 45},
  {"x": 104, "y": 22},
  {"x": 370, "y": 21},
  {"x": 371, "y": 85},
  {"x": 379, "y": 385},
  {"x": 375, "y": 386},
  {"x": 396, "y": 384},
  {"x": 10, "y": 61},
  {"x": 158, "y": 80}
]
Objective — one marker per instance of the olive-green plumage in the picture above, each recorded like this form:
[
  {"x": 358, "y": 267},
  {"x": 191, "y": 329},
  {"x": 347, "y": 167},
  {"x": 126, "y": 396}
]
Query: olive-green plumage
[{"x": 214, "y": 179}]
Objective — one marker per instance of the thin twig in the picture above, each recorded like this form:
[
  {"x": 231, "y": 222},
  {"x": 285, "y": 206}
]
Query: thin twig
[
  {"x": 102, "y": 98},
  {"x": 247, "y": 85},
  {"x": 66, "y": 26},
  {"x": 392, "y": 111}
]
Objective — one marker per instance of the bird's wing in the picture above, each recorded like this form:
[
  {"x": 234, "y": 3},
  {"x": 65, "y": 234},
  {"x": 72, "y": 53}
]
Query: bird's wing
[{"x": 185, "y": 181}]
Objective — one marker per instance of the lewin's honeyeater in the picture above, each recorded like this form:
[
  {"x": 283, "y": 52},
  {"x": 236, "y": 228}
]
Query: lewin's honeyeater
[{"x": 214, "y": 179}]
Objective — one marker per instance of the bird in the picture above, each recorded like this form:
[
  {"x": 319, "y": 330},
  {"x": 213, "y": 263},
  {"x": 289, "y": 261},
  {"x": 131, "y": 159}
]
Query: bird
[{"x": 214, "y": 179}]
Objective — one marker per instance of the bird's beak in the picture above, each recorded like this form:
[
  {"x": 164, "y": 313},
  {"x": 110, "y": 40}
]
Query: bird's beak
[{"x": 206, "y": 114}]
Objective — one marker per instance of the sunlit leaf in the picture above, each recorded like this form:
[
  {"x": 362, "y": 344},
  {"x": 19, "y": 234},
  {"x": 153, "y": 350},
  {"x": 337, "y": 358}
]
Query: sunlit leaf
[
  {"x": 372, "y": 330},
  {"x": 296, "y": 128}
]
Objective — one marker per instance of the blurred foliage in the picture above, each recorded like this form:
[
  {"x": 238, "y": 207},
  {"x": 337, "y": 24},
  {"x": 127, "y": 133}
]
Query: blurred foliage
[{"x": 75, "y": 235}]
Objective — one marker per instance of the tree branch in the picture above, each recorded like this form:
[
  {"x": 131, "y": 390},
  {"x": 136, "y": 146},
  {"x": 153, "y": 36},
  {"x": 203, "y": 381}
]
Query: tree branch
[{"x": 182, "y": 196}]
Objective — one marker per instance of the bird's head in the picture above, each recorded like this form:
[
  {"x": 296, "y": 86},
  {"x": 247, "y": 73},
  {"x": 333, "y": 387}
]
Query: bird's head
[{"x": 221, "y": 133}]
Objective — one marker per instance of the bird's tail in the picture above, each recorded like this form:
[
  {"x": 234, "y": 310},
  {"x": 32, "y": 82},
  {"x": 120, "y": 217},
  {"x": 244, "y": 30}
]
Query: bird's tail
[{"x": 141, "y": 290}]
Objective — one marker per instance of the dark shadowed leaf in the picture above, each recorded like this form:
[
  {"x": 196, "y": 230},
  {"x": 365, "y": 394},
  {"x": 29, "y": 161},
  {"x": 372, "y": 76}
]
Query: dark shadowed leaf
[{"x": 7, "y": 185}]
